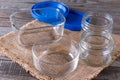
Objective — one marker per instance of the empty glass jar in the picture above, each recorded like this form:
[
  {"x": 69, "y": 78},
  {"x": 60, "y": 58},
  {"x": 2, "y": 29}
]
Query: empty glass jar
[
  {"x": 31, "y": 31},
  {"x": 56, "y": 59},
  {"x": 96, "y": 42}
]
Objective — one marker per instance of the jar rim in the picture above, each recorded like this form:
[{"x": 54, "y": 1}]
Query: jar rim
[
  {"x": 88, "y": 17},
  {"x": 13, "y": 20},
  {"x": 73, "y": 42}
]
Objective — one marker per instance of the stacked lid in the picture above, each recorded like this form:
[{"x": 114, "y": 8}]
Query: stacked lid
[{"x": 73, "y": 18}]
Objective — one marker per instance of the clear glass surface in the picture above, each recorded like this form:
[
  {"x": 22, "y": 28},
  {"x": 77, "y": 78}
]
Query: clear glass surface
[
  {"x": 31, "y": 31},
  {"x": 96, "y": 49},
  {"x": 56, "y": 59},
  {"x": 96, "y": 42}
]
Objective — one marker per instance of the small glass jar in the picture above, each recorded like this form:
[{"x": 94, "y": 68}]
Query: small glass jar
[
  {"x": 56, "y": 59},
  {"x": 96, "y": 42}
]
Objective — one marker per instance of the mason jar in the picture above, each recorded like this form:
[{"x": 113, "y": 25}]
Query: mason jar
[{"x": 96, "y": 42}]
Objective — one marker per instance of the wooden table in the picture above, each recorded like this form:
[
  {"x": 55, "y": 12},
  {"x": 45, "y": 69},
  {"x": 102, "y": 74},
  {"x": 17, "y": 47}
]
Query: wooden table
[{"x": 12, "y": 71}]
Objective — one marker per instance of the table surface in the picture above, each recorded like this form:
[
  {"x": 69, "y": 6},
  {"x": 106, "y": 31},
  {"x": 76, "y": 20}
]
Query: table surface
[{"x": 12, "y": 71}]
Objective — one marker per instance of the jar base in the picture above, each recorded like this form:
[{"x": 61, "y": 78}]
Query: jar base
[{"x": 97, "y": 62}]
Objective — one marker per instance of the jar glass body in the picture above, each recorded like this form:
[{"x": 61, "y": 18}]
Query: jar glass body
[
  {"x": 31, "y": 31},
  {"x": 56, "y": 59},
  {"x": 96, "y": 49},
  {"x": 96, "y": 42}
]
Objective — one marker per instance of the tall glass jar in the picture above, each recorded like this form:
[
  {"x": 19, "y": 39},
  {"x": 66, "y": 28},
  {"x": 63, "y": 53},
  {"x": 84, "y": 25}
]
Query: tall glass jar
[{"x": 96, "y": 42}]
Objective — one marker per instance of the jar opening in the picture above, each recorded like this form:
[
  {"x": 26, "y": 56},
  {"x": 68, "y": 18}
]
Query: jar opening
[{"x": 97, "y": 21}]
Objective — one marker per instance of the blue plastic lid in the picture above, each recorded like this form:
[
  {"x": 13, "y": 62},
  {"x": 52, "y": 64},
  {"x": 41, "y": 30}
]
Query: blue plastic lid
[
  {"x": 52, "y": 4},
  {"x": 73, "y": 20},
  {"x": 48, "y": 15}
]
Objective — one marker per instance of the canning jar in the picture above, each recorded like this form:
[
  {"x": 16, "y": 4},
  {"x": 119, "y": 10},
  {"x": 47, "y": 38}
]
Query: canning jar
[{"x": 96, "y": 42}]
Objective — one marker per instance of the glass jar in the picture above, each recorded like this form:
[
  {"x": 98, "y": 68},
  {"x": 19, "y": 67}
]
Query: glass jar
[
  {"x": 31, "y": 31},
  {"x": 56, "y": 59},
  {"x": 96, "y": 42}
]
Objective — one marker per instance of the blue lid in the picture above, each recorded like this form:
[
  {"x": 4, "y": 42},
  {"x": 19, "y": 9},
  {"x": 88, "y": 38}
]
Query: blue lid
[
  {"x": 73, "y": 20},
  {"x": 48, "y": 15},
  {"x": 52, "y": 4}
]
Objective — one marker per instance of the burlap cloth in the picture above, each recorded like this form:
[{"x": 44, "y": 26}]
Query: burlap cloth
[{"x": 23, "y": 56}]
